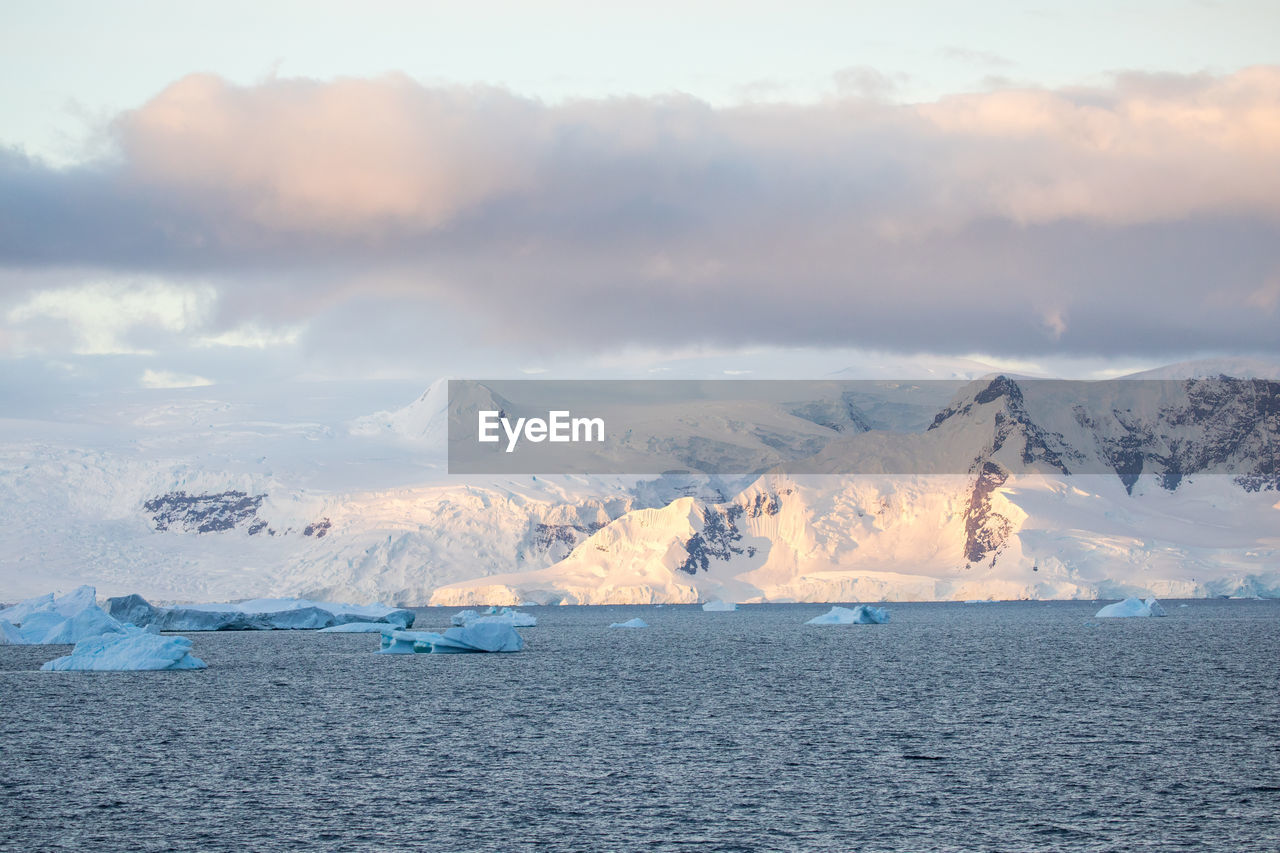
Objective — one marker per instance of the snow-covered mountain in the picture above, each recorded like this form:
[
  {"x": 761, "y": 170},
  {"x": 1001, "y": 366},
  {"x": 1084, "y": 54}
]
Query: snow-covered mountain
[
  {"x": 1166, "y": 489},
  {"x": 956, "y": 497}
]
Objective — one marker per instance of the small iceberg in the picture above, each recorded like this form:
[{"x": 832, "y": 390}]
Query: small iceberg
[
  {"x": 260, "y": 614},
  {"x": 719, "y": 606},
  {"x": 515, "y": 617},
  {"x": 631, "y": 623},
  {"x": 463, "y": 617},
  {"x": 863, "y": 614},
  {"x": 132, "y": 649},
  {"x": 356, "y": 628},
  {"x": 1131, "y": 607},
  {"x": 495, "y": 636}
]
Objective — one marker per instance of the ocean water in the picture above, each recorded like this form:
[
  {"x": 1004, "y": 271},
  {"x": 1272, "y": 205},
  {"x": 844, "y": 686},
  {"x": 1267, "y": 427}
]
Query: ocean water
[{"x": 1022, "y": 726}]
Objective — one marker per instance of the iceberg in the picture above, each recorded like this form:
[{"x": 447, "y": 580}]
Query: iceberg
[
  {"x": 64, "y": 620},
  {"x": 863, "y": 614},
  {"x": 260, "y": 614},
  {"x": 406, "y": 642},
  {"x": 1131, "y": 607},
  {"x": 719, "y": 606},
  {"x": 51, "y": 628},
  {"x": 357, "y": 628},
  {"x": 631, "y": 623},
  {"x": 10, "y": 635},
  {"x": 462, "y": 618},
  {"x": 498, "y": 635},
  {"x": 66, "y": 606},
  {"x": 515, "y": 617},
  {"x": 495, "y": 636},
  {"x": 131, "y": 649}
]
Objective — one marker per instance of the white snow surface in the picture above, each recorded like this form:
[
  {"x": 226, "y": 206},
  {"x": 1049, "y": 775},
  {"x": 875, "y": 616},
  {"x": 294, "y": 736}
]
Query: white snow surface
[
  {"x": 1132, "y": 607},
  {"x": 131, "y": 649},
  {"x": 861, "y": 615}
]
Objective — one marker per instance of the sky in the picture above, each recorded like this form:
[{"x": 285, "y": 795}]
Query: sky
[{"x": 230, "y": 193}]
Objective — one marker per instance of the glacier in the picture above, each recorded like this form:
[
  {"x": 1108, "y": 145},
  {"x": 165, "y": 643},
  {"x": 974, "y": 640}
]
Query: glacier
[
  {"x": 129, "y": 650},
  {"x": 1131, "y": 607},
  {"x": 863, "y": 614},
  {"x": 263, "y": 614}
]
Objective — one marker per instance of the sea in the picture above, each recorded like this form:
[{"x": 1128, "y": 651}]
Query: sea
[{"x": 1004, "y": 727}]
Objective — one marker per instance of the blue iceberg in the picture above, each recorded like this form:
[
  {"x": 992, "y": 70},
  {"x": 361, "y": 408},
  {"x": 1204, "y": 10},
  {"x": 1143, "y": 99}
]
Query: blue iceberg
[
  {"x": 479, "y": 636},
  {"x": 131, "y": 649},
  {"x": 10, "y": 635},
  {"x": 719, "y": 606},
  {"x": 63, "y": 620},
  {"x": 631, "y": 623},
  {"x": 260, "y": 614},
  {"x": 863, "y": 614},
  {"x": 515, "y": 617},
  {"x": 1131, "y": 607}
]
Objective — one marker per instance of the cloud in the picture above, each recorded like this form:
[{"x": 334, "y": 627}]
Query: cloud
[
  {"x": 252, "y": 336},
  {"x": 1136, "y": 218},
  {"x": 100, "y": 318},
  {"x": 167, "y": 379}
]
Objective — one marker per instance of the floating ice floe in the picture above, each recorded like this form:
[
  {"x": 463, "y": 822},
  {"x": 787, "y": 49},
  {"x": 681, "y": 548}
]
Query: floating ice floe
[
  {"x": 631, "y": 623},
  {"x": 495, "y": 636},
  {"x": 131, "y": 649},
  {"x": 260, "y": 614},
  {"x": 1131, "y": 607},
  {"x": 863, "y": 614},
  {"x": 358, "y": 628},
  {"x": 719, "y": 606},
  {"x": 67, "y": 619}
]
